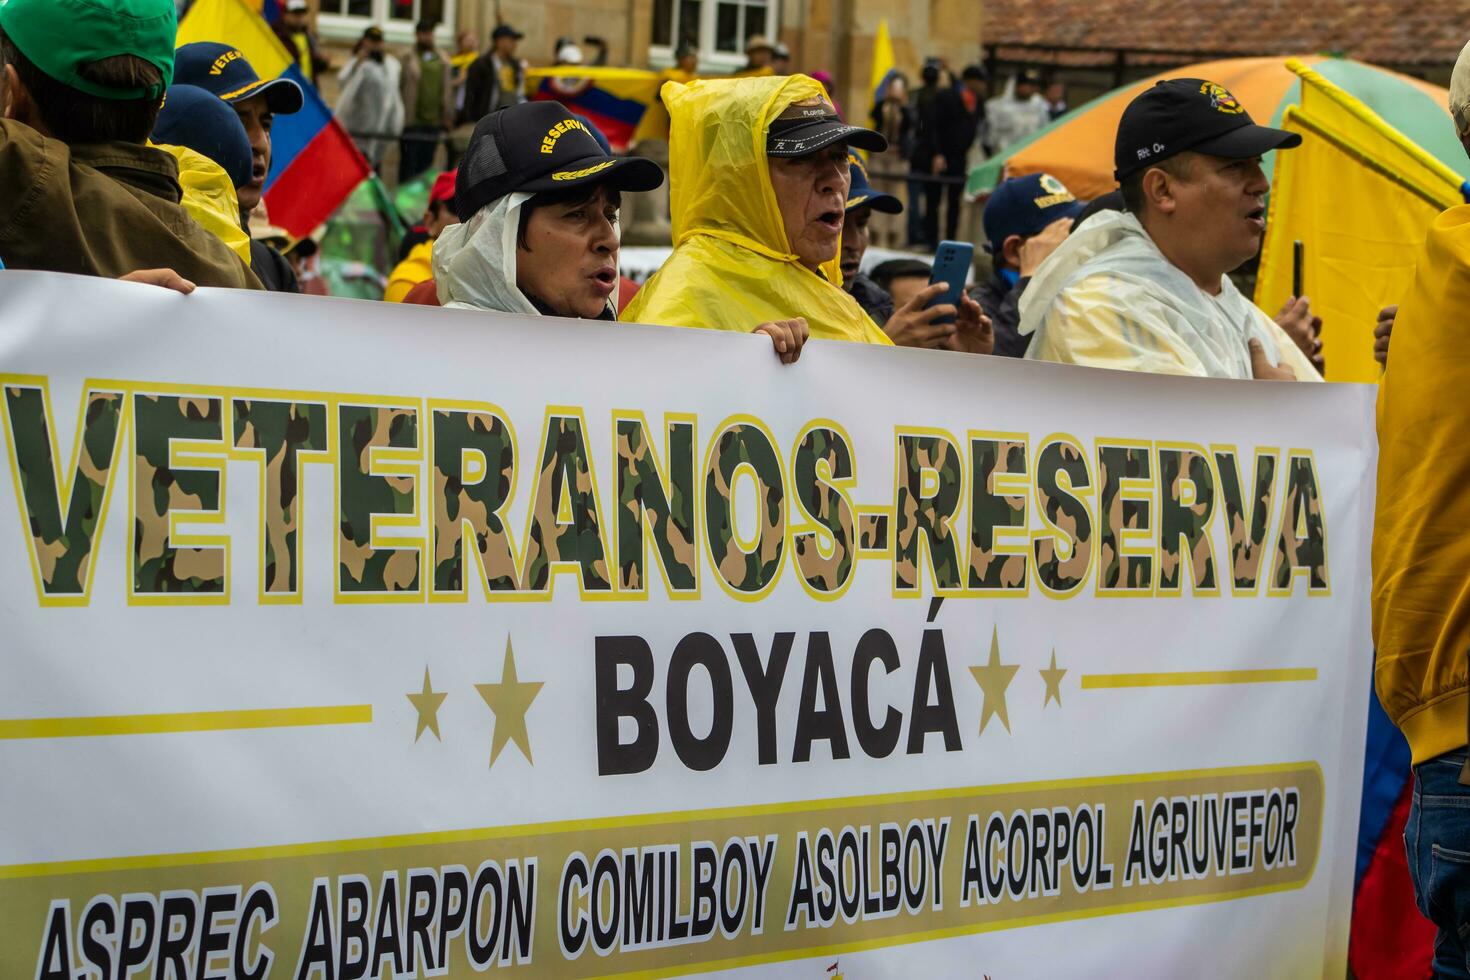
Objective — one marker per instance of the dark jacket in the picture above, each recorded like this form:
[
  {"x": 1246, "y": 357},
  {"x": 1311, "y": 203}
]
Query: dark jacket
[
  {"x": 319, "y": 64},
  {"x": 955, "y": 127},
  {"x": 1001, "y": 301},
  {"x": 926, "y": 136},
  {"x": 269, "y": 265},
  {"x": 482, "y": 88},
  {"x": 272, "y": 269},
  {"x": 874, "y": 300},
  {"x": 102, "y": 209}
]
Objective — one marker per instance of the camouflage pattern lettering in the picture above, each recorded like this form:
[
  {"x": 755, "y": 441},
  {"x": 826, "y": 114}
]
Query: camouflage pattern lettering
[
  {"x": 1246, "y": 518},
  {"x": 1061, "y": 469},
  {"x": 927, "y": 516},
  {"x": 1116, "y": 513},
  {"x": 1302, "y": 543},
  {"x": 363, "y": 495},
  {"x": 159, "y": 568},
  {"x": 873, "y": 533},
  {"x": 992, "y": 570},
  {"x": 668, "y": 504},
  {"x": 283, "y": 431},
  {"x": 1187, "y": 521},
  {"x": 478, "y": 502},
  {"x": 744, "y": 445},
  {"x": 62, "y": 542},
  {"x": 565, "y": 526},
  {"x": 823, "y": 502}
]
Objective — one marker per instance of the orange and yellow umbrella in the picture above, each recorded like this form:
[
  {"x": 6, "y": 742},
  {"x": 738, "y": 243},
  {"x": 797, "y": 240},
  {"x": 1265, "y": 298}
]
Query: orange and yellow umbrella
[{"x": 1078, "y": 147}]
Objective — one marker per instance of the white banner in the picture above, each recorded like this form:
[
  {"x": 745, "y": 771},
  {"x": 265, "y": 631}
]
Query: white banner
[{"x": 342, "y": 638}]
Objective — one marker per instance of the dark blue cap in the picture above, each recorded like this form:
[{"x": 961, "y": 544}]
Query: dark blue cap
[
  {"x": 197, "y": 119},
  {"x": 1024, "y": 206},
  {"x": 224, "y": 70},
  {"x": 861, "y": 193}
]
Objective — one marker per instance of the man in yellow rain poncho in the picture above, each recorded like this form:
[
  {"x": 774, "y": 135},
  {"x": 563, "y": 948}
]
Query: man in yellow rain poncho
[
  {"x": 758, "y": 190},
  {"x": 1146, "y": 289},
  {"x": 1421, "y": 559}
]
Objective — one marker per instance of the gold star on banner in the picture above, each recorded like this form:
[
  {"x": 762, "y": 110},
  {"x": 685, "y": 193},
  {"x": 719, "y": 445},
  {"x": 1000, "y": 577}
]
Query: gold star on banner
[
  {"x": 426, "y": 703},
  {"x": 993, "y": 679},
  {"x": 509, "y": 700},
  {"x": 1053, "y": 678}
]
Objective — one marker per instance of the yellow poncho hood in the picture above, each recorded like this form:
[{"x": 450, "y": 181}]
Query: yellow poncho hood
[
  {"x": 209, "y": 197},
  {"x": 732, "y": 266}
]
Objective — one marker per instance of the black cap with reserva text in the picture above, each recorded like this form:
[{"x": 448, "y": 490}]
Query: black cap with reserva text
[
  {"x": 1181, "y": 114},
  {"x": 540, "y": 146}
]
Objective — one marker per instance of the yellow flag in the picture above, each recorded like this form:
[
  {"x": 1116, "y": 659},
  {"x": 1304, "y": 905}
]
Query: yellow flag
[
  {"x": 233, "y": 22},
  {"x": 882, "y": 60},
  {"x": 1360, "y": 197}
]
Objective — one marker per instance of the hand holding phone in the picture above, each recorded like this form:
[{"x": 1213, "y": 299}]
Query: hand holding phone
[{"x": 951, "y": 267}]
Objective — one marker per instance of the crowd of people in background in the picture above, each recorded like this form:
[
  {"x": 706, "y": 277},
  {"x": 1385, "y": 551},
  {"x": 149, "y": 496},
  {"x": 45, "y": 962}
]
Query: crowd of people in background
[
  {"x": 526, "y": 217},
  {"x": 426, "y": 96}
]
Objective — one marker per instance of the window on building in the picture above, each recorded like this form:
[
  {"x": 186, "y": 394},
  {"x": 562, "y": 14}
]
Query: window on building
[
  {"x": 348, "y": 18},
  {"x": 717, "y": 29}
]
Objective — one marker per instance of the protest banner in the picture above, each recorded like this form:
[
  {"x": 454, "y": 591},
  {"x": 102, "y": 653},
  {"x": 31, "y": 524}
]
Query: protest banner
[{"x": 343, "y": 639}]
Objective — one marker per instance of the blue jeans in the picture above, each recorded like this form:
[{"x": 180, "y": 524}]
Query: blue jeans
[{"x": 1437, "y": 837}]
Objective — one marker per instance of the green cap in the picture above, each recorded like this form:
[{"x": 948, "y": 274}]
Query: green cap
[{"x": 60, "y": 36}]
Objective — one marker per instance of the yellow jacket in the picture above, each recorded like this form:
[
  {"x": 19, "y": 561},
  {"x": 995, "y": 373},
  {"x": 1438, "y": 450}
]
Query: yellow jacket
[
  {"x": 210, "y": 199},
  {"x": 415, "y": 268},
  {"x": 732, "y": 266},
  {"x": 1421, "y": 534}
]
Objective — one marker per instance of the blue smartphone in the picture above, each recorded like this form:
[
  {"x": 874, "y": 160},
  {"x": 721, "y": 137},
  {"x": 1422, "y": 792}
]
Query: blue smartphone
[{"x": 951, "y": 267}]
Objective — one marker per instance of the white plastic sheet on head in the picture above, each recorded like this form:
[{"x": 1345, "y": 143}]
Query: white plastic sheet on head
[
  {"x": 1109, "y": 298},
  {"x": 475, "y": 262}
]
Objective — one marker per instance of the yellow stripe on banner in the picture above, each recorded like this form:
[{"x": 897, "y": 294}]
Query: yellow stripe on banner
[
  {"x": 1197, "y": 678},
  {"x": 184, "y": 721},
  {"x": 391, "y": 842}
]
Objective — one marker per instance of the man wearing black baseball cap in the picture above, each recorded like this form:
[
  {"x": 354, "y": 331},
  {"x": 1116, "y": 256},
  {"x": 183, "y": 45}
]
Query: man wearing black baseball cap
[
  {"x": 539, "y": 199},
  {"x": 496, "y": 79},
  {"x": 223, "y": 70},
  {"x": 1017, "y": 112},
  {"x": 1146, "y": 289},
  {"x": 81, "y": 84}
]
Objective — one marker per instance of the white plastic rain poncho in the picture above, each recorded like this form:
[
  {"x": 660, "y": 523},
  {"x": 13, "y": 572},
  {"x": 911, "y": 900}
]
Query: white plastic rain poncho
[
  {"x": 1108, "y": 298},
  {"x": 732, "y": 266},
  {"x": 371, "y": 103},
  {"x": 475, "y": 262}
]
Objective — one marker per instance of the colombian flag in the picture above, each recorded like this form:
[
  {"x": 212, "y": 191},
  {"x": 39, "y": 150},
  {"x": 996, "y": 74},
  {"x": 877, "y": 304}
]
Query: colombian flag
[
  {"x": 314, "y": 163},
  {"x": 614, "y": 99}
]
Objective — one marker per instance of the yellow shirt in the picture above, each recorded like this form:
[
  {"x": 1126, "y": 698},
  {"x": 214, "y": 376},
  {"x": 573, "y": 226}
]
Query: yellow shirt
[
  {"x": 1421, "y": 548},
  {"x": 303, "y": 55},
  {"x": 417, "y": 267}
]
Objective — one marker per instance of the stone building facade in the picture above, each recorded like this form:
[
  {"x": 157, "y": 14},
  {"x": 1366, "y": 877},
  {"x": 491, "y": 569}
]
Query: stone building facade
[{"x": 832, "y": 35}]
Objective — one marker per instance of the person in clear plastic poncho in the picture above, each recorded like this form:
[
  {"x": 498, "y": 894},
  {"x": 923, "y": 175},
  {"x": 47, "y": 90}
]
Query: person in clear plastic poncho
[
  {"x": 541, "y": 198},
  {"x": 758, "y": 189},
  {"x": 1146, "y": 289}
]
